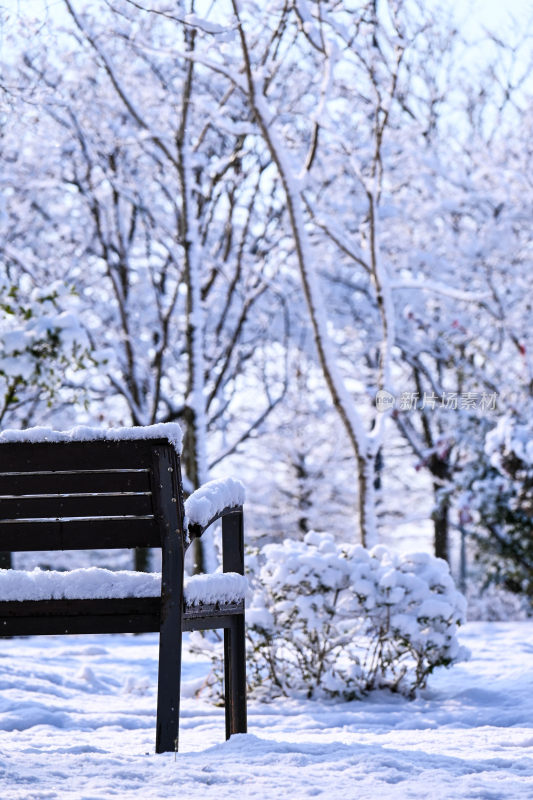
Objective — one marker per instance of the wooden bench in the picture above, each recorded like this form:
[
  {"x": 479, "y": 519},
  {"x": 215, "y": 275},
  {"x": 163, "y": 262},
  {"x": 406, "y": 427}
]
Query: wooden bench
[{"x": 120, "y": 492}]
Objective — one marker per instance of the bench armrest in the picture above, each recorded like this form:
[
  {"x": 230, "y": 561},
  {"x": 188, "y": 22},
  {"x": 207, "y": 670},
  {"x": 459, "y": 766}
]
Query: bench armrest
[{"x": 214, "y": 500}]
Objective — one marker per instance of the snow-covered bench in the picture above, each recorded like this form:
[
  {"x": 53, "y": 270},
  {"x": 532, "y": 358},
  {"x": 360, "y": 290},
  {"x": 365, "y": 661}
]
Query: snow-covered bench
[{"x": 91, "y": 489}]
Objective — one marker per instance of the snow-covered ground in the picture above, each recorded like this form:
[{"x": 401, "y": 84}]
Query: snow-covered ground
[{"x": 77, "y": 720}]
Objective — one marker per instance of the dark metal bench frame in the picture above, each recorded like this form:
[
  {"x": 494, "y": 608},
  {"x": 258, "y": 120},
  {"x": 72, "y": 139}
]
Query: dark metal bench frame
[{"x": 125, "y": 494}]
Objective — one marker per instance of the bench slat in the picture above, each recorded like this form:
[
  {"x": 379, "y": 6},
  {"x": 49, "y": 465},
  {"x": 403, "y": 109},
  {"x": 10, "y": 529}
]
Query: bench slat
[
  {"x": 210, "y": 617},
  {"x": 74, "y": 481},
  {"x": 80, "y": 534},
  {"x": 112, "y": 615},
  {"x": 55, "y": 617},
  {"x": 86, "y": 505}
]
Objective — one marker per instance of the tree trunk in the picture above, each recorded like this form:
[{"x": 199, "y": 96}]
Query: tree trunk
[
  {"x": 190, "y": 460},
  {"x": 441, "y": 523},
  {"x": 441, "y": 527},
  {"x": 142, "y": 559},
  {"x": 367, "y": 500},
  {"x": 6, "y": 561},
  {"x": 342, "y": 401}
]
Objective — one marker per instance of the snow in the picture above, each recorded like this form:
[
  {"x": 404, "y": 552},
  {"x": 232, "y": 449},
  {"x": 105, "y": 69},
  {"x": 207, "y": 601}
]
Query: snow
[
  {"x": 204, "y": 24},
  {"x": 77, "y": 722},
  {"x": 96, "y": 582},
  {"x": 212, "y": 498},
  {"x": 163, "y": 430},
  {"x": 510, "y": 438},
  {"x": 218, "y": 587}
]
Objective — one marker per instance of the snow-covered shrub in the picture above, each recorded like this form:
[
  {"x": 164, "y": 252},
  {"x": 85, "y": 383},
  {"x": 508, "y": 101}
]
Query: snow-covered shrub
[
  {"x": 297, "y": 633},
  {"x": 497, "y": 498},
  {"x": 409, "y": 617},
  {"x": 333, "y": 620},
  {"x": 40, "y": 339},
  {"x": 492, "y": 602}
]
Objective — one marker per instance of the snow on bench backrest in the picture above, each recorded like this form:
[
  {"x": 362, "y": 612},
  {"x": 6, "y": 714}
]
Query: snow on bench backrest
[
  {"x": 212, "y": 498},
  {"x": 164, "y": 430}
]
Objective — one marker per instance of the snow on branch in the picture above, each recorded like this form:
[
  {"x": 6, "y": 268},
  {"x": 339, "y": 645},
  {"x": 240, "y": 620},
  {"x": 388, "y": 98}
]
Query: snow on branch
[
  {"x": 212, "y": 498},
  {"x": 205, "y": 25},
  {"x": 440, "y": 288},
  {"x": 509, "y": 439}
]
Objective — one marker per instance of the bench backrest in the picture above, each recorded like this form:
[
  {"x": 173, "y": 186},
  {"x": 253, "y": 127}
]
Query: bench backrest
[{"x": 89, "y": 495}]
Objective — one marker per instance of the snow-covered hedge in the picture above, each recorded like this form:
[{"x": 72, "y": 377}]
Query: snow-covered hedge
[{"x": 336, "y": 620}]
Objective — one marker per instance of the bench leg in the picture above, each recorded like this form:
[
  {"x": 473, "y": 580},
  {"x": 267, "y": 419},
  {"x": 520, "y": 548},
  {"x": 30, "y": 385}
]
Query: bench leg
[
  {"x": 235, "y": 676},
  {"x": 168, "y": 692}
]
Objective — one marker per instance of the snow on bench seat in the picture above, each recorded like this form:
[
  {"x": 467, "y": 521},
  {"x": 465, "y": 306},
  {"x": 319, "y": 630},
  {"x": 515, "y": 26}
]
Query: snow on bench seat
[
  {"x": 217, "y": 587},
  {"x": 212, "y": 498},
  {"x": 98, "y": 583}
]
